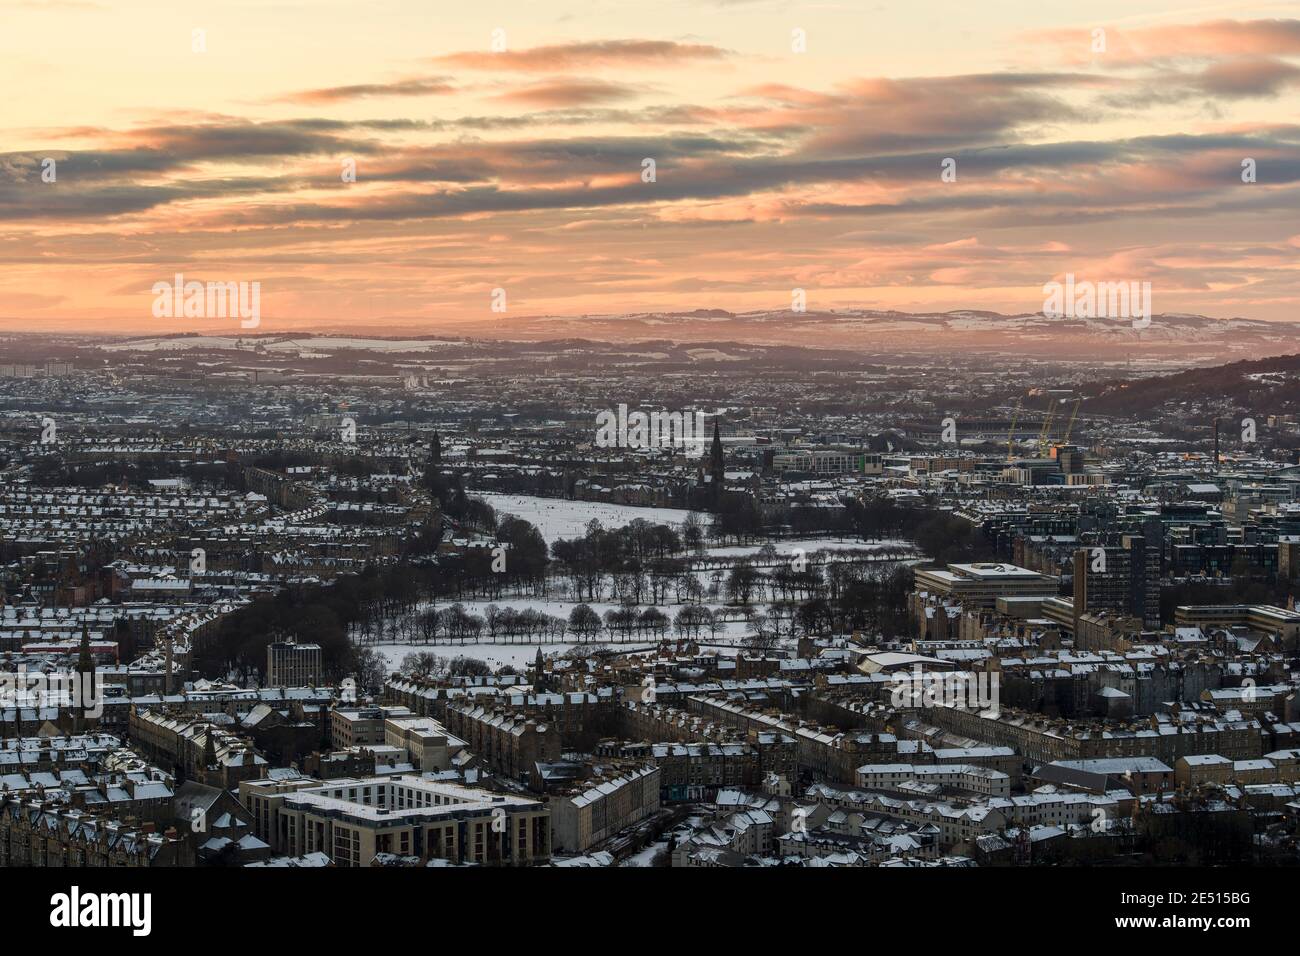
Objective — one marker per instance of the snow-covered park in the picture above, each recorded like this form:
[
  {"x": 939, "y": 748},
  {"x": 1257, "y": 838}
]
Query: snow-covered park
[{"x": 557, "y": 519}]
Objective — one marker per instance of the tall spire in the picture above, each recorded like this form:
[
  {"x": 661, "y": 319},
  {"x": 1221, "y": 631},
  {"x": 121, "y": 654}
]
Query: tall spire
[
  {"x": 84, "y": 663},
  {"x": 717, "y": 465},
  {"x": 539, "y": 672},
  {"x": 84, "y": 684}
]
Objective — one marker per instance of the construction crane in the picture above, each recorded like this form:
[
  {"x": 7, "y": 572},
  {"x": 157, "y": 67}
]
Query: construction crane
[
  {"x": 1065, "y": 439},
  {"x": 1042, "y": 435}
]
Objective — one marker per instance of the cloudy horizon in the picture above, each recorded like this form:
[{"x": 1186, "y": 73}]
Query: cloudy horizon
[{"x": 395, "y": 166}]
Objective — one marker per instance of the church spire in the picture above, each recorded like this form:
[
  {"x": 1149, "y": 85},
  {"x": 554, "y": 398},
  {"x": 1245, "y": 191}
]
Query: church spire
[
  {"x": 717, "y": 465},
  {"x": 85, "y": 665},
  {"x": 83, "y": 689}
]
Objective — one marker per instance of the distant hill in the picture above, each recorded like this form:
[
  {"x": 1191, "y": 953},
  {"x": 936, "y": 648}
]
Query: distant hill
[
  {"x": 888, "y": 331},
  {"x": 1270, "y": 386},
  {"x": 721, "y": 335}
]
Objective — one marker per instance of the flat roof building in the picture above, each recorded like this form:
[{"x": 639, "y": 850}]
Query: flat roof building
[
  {"x": 980, "y": 585},
  {"x": 354, "y": 820}
]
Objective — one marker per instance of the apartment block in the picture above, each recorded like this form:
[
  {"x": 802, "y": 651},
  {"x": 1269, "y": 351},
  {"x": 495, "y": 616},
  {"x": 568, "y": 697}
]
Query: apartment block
[
  {"x": 289, "y": 664},
  {"x": 354, "y": 820}
]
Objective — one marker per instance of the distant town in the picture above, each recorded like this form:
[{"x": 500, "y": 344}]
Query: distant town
[{"x": 320, "y": 601}]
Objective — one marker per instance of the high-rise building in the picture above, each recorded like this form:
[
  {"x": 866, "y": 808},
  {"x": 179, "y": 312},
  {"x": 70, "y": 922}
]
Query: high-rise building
[
  {"x": 1121, "y": 579},
  {"x": 1070, "y": 458},
  {"x": 289, "y": 664}
]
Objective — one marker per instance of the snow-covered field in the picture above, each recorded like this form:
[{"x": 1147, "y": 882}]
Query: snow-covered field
[
  {"x": 499, "y": 654},
  {"x": 808, "y": 546},
  {"x": 496, "y": 655},
  {"x": 557, "y": 518}
]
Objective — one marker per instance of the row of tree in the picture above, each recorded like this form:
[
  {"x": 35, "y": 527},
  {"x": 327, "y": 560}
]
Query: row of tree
[{"x": 640, "y": 563}]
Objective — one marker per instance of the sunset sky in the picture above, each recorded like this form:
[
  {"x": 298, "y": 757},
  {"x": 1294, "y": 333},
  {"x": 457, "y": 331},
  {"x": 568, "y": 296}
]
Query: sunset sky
[{"x": 522, "y": 169}]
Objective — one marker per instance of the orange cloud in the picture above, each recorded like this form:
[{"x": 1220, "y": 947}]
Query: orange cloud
[
  {"x": 571, "y": 91},
  {"x": 431, "y": 86},
  {"x": 606, "y": 54},
  {"x": 1209, "y": 39}
]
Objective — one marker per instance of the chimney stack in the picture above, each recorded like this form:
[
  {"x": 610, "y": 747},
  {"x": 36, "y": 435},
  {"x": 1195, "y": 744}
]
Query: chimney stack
[{"x": 167, "y": 675}]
